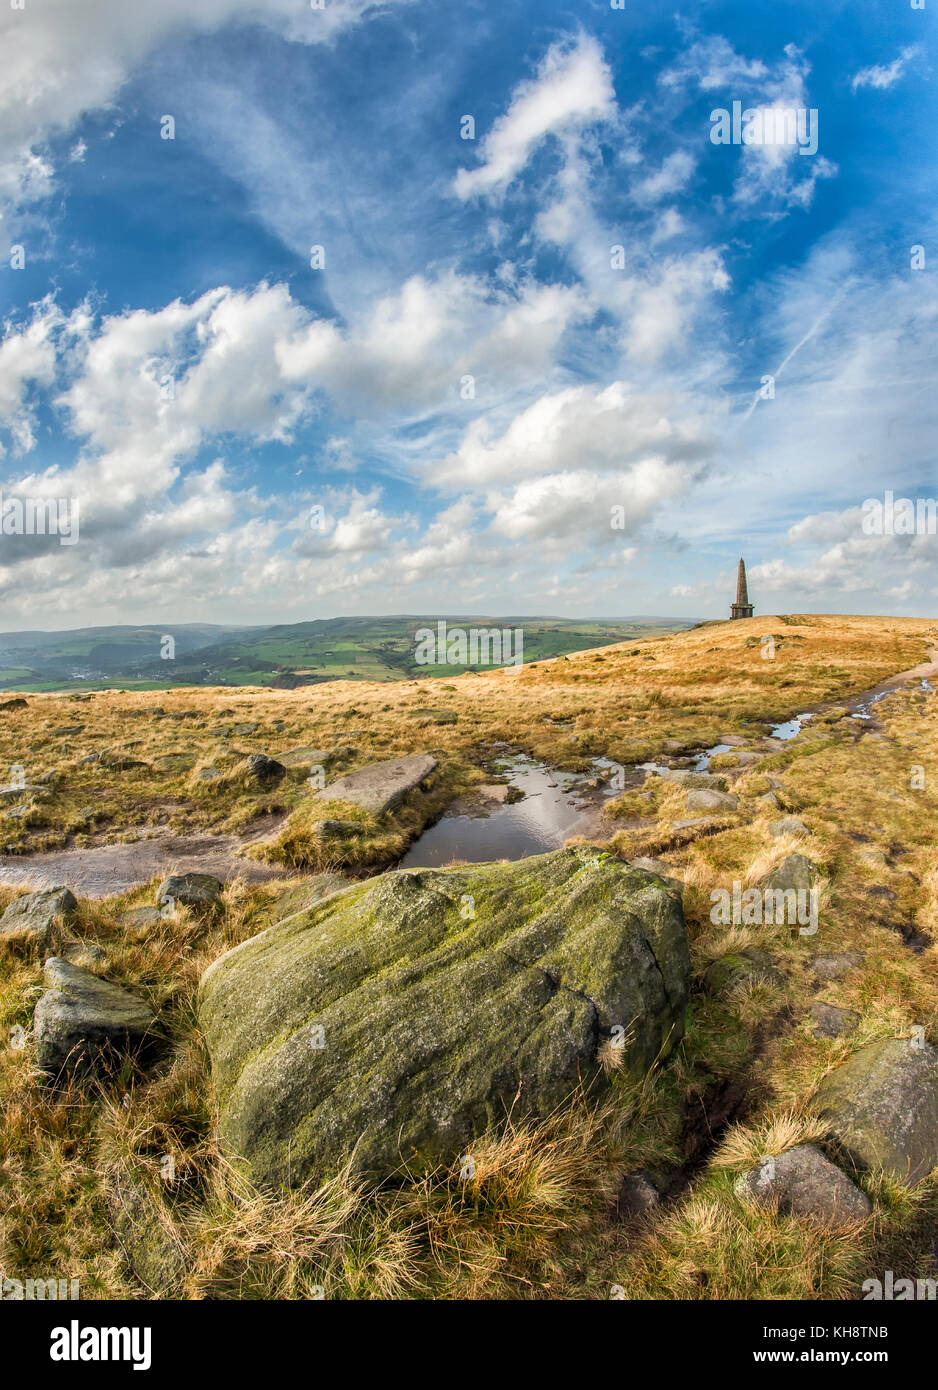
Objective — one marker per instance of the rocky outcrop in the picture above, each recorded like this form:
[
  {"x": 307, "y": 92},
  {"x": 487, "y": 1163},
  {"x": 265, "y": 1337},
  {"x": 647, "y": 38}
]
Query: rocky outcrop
[
  {"x": 802, "y": 1181},
  {"x": 83, "y": 1020},
  {"x": 401, "y": 1017},
  {"x": 380, "y": 787},
  {"x": 882, "y": 1108}
]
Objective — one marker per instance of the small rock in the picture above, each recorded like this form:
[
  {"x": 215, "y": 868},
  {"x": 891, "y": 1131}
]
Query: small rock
[
  {"x": 875, "y": 857},
  {"x": 83, "y": 1019},
  {"x": 136, "y": 917},
  {"x": 37, "y": 918},
  {"x": 830, "y": 1021},
  {"x": 835, "y": 965},
  {"x": 797, "y": 872},
  {"x": 266, "y": 771},
  {"x": 702, "y": 800},
  {"x": 637, "y": 1194},
  {"x": 770, "y": 800},
  {"x": 748, "y": 966},
  {"x": 18, "y": 703},
  {"x": 84, "y": 952},
  {"x": 338, "y": 829},
  {"x": 190, "y": 890},
  {"x": 805, "y": 1183},
  {"x": 659, "y": 868},
  {"x": 434, "y": 716},
  {"x": 789, "y": 825}
]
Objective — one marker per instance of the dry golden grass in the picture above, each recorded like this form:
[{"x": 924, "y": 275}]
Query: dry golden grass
[{"x": 534, "y": 1219}]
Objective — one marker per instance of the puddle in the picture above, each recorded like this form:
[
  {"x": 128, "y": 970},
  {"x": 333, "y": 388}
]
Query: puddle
[
  {"x": 555, "y": 806},
  {"x": 790, "y": 728}
]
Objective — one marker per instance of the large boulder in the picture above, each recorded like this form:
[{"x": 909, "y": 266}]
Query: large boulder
[
  {"x": 82, "y": 1019},
  {"x": 380, "y": 787},
  {"x": 802, "y": 1181},
  {"x": 400, "y": 1018},
  {"x": 882, "y": 1108},
  {"x": 37, "y": 918}
]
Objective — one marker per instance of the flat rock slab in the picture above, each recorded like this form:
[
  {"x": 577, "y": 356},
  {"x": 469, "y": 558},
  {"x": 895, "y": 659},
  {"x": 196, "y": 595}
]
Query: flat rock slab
[
  {"x": 37, "y": 918},
  {"x": 380, "y": 787},
  {"x": 802, "y": 1181},
  {"x": 83, "y": 1019},
  {"x": 882, "y": 1108},
  {"x": 303, "y": 756},
  {"x": 403, "y": 1017},
  {"x": 103, "y": 870}
]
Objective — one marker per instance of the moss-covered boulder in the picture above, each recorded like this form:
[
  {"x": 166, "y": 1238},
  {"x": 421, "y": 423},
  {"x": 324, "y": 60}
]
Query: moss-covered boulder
[
  {"x": 882, "y": 1108},
  {"x": 403, "y": 1016}
]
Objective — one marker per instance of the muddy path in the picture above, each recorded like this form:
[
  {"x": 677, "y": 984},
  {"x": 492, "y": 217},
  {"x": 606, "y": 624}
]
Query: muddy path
[{"x": 99, "y": 871}]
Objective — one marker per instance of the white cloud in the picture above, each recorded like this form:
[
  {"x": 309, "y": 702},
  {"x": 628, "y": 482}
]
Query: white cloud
[
  {"x": 882, "y": 76},
  {"x": 673, "y": 175},
  {"x": 414, "y": 348},
  {"x": 62, "y": 60},
  {"x": 579, "y": 506},
  {"x": 572, "y": 88},
  {"x": 27, "y": 359},
  {"x": 579, "y": 428}
]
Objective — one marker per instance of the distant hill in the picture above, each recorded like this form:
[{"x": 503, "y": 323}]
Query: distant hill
[{"x": 285, "y": 655}]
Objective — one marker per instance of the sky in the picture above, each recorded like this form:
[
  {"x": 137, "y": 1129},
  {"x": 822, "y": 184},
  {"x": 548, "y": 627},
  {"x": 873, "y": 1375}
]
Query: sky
[{"x": 313, "y": 310}]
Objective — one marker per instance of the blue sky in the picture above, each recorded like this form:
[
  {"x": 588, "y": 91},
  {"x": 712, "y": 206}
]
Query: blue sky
[{"x": 476, "y": 403}]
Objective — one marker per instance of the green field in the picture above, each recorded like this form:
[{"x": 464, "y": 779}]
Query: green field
[{"x": 360, "y": 649}]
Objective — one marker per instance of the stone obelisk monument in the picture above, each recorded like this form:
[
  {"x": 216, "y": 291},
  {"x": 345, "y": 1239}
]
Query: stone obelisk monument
[{"x": 742, "y": 608}]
